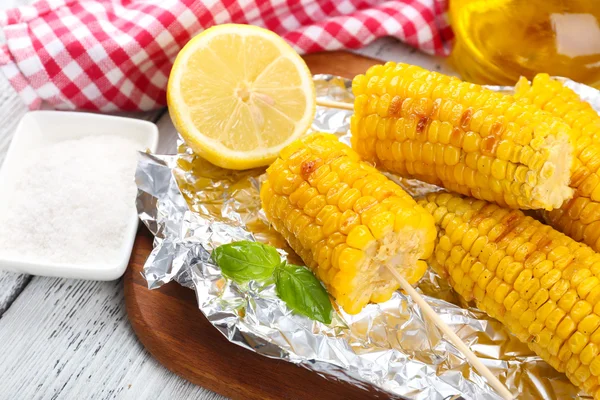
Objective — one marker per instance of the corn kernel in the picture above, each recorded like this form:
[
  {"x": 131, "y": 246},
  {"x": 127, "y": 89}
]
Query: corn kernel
[
  {"x": 308, "y": 197},
  {"x": 595, "y": 366},
  {"x": 555, "y": 318},
  {"x": 577, "y": 342},
  {"x": 589, "y": 352},
  {"x": 409, "y": 134},
  {"x": 360, "y": 237},
  {"x": 580, "y": 310},
  {"x": 568, "y": 300},
  {"x": 350, "y": 260},
  {"x": 566, "y": 327},
  {"x": 572, "y": 365},
  {"x": 381, "y": 224},
  {"x": 538, "y": 299}
]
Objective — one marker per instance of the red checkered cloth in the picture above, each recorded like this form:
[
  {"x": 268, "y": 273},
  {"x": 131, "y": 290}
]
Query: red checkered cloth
[{"x": 115, "y": 55}]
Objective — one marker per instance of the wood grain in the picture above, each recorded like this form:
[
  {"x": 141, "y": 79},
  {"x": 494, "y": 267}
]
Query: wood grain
[
  {"x": 70, "y": 339},
  {"x": 67, "y": 339},
  {"x": 170, "y": 325},
  {"x": 12, "y": 109},
  {"x": 391, "y": 49}
]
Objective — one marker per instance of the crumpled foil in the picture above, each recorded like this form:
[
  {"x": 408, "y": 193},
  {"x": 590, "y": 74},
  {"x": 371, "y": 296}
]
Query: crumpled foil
[{"x": 192, "y": 207}]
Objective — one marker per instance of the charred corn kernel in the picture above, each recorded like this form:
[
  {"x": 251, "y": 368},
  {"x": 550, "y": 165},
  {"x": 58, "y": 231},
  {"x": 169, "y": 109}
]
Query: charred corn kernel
[
  {"x": 582, "y": 213},
  {"x": 346, "y": 220},
  {"x": 558, "y": 321},
  {"x": 520, "y": 159}
]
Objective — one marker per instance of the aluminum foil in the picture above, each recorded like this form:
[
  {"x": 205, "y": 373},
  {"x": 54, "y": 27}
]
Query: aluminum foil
[{"x": 191, "y": 207}]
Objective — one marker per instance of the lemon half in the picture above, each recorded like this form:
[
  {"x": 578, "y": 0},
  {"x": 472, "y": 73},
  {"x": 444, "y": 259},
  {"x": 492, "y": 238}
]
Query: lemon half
[{"x": 238, "y": 94}]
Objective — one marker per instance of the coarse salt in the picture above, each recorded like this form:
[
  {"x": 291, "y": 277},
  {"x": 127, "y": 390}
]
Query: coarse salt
[{"x": 71, "y": 202}]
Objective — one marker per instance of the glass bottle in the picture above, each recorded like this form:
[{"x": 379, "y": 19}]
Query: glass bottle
[{"x": 499, "y": 40}]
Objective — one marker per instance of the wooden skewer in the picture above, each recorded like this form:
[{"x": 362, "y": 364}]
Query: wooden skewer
[
  {"x": 335, "y": 104},
  {"x": 456, "y": 341}
]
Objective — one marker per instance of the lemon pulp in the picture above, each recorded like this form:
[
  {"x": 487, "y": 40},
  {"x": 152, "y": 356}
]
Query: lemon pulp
[{"x": 238, "y": 94}]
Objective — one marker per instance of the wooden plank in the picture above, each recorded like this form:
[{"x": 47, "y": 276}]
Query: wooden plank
[
  {"x": 77, "y": 336},
  {"x": 390, "y": 49},
  {"x": 7, "y": 4},
  {"x": 12, "y": 110},
  {"x": 167, "y": 143},
  {"x": 71, "y": 339},
  {"x": 77, "y": 351},
  {"x": 385, "y": 49},
  {"x": 168, "y": 323},
  {"x": 11, "y": 285}
]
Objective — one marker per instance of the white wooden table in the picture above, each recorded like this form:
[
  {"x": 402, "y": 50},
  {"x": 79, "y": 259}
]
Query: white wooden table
[{"x": 70, "y": 339}]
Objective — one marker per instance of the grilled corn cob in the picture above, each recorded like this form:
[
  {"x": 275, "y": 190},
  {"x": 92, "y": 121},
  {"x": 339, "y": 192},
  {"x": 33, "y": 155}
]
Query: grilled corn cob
[
  {"x": 463, "y": 137},
  {"x": 542, "y": 285},
  {"x": 579, "y": 217},
  {"x": 346, "y": 220}
]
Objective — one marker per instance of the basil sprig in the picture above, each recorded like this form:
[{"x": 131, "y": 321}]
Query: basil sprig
[
  {"x": 245, "y": 261},
  {"x": 296, "y": 286},
  {"x": 302, "y": 292}
]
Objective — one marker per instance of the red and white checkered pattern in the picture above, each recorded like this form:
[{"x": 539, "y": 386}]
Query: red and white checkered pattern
[{"x": 113, "y": 55}]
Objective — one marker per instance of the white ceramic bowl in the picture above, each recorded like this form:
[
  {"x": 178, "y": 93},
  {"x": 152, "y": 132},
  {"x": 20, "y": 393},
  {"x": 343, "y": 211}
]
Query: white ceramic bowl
[{"x": 43, "y": 128}]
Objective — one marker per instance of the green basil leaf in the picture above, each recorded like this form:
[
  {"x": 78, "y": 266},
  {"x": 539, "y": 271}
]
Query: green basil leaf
[
  {"x": 245, "y": 261},
  {"x": 303, "y": 293}
]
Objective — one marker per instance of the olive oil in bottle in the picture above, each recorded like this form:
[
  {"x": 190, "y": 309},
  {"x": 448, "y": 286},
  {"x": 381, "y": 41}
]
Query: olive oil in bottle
[{"x": 499, "y": 40}]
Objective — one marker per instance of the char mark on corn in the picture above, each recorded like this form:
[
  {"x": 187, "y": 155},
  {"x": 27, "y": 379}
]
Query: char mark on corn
[
  {"x": 346, "y": 220},
  {"x": 461, "y": 136}
]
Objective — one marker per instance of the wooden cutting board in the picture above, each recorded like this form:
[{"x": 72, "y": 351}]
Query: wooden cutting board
[{"x": 169, "y": 324}]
